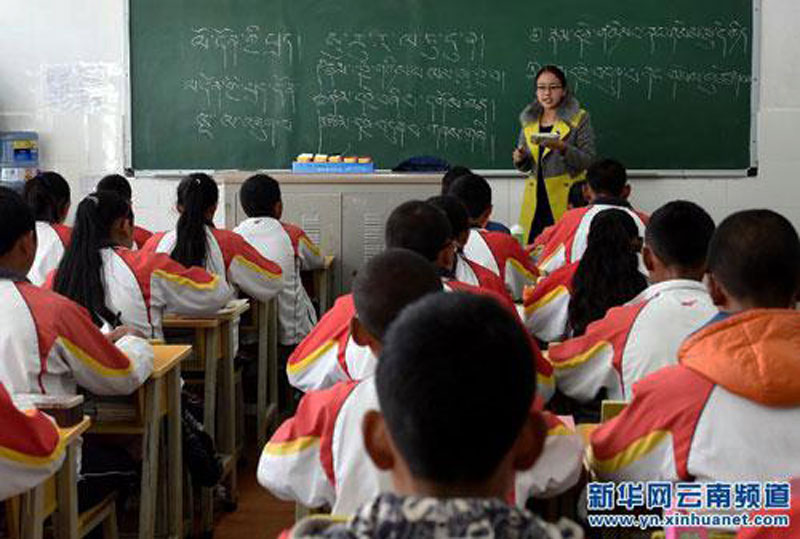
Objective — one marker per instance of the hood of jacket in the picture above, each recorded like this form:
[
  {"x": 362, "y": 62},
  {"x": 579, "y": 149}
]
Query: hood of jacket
[
  {"x": 567, "y": 110},
  {"x": 754, "y": 354}
]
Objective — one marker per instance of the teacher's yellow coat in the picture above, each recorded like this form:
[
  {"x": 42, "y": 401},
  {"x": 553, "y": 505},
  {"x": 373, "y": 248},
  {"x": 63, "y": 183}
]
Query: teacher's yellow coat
[{"x": 560, "y": 170}]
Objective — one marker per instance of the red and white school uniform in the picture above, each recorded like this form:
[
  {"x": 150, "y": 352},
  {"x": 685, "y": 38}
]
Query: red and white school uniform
[
  {"x": 291, "y": 248},
  {"x": 730, "y": 411},
  {"x": 140, "y": 237},
  {"x": 545, "y": 308},
  {"x": 470, "y": 272},
  {"x": 318, "y": 456},
  {"x": 565, "y": 241},
  {"x": 631, "y": 341},
  {"x": 329, "y": 354},
  {"x": 52, "y": 241},
  {"x": 504, "y": 256},
  {"x": 141, "y": 286},
  {"x": 30, "y": 447},
  {"x": 50, "y": 345},
  {"x": 231, "y": 257}
]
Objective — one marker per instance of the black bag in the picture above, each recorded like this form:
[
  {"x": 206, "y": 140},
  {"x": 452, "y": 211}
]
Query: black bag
[{"x": 199, "y": 455}]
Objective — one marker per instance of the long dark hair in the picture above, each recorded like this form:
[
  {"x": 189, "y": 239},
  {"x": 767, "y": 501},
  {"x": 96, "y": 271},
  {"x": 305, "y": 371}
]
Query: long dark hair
[
  {"x": 48, "y": 196},
  {"x": 197, "y": 193},
  {"x": 80, "y": 272},
  {"x": 608, "y": 274}
]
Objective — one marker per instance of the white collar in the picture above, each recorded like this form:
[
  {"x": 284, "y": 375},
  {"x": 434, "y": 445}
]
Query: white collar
[{"x": 668, "y": 286}]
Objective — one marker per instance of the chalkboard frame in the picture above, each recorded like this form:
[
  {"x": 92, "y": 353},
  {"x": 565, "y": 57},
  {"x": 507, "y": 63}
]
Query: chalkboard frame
[{"x": 751, "y": 171}]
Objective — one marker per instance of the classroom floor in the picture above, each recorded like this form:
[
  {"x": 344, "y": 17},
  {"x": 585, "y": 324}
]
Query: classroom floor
[{"x": 259, "y": 513}]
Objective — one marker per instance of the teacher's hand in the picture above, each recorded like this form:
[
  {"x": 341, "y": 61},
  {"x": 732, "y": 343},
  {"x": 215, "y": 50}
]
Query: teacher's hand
[
  {"x": 556, "y": 144},
  {"x": 520, "y": 155}
]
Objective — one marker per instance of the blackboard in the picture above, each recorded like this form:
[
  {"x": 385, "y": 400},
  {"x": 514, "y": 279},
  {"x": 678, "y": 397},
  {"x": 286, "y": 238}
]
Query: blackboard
[{"x": 247, "y": 84}]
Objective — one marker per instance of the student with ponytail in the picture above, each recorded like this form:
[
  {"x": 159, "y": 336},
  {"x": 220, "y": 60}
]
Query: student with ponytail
[
  {"x": 120, "y": 185},
  {"x": 121, "y": 286},
  {"x": 48, "y": 196},
  {"x": 196, "y": 242},
  {"x": 580, "y": 292}
]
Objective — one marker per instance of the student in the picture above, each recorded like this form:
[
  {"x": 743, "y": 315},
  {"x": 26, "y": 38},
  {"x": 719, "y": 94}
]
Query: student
[
  {"x": 49, "y": 343},
  {"x": 730, "y": 410},
  {"x": 643, "y": 336},
  {"x": 318, "y": 471},
  {"x": 576, "y": 198},
  {"x": 564, "y": 242},
  {"x": 465, "y": 270},
  {"x": 196, "y": 242},
  {"x": 501, "y": 253},
  {"x": 286, "y": 244},
  {"x": 121, "y": 286},
  {"x": 30, "y": 447},
  {"x": 455, "y": 173},
  {"x": 329, "y": 354},
  {"x": 120, "y": 185},
  {"x": 565, "y": 302},
  {"x": 48, "y": 196}
]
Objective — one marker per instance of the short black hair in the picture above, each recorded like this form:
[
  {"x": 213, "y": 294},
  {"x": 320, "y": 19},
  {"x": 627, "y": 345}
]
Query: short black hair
[
  {"x": 48, "y": 195},
  {"x": 389, "y": 282},
  {"x": 455, "y": 383},
  {"x": 16, "y": 219},
  {"x": 607, "y": 176},
  {"x": 575, "y": 196},
  {"x": 679, "y": 232},
  {"x": 420, "y": 227},
  {"x": 452, "y": 175},
  {"x": 259, "y": 194},
  {"x": 455, "y": 211},
  {"x": 755, "y": 255},
  {"x": 474, "y": 191},
  {"x": 116, "y": 183}
]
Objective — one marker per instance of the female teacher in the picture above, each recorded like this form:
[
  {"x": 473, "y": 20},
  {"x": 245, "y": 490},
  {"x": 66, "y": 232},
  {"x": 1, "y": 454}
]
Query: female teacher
[{"x": 556, "y": 146}]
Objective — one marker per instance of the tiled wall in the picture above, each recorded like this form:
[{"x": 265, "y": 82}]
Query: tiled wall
[{"x": 85, "y": 145}]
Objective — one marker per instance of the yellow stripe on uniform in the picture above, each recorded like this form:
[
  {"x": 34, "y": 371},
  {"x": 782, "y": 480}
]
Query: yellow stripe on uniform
[
  {"x": 636, "y": 450},
  {"x": 252, "y": 266},
  {"x": 521, "y": 269},
  {"x": 91, "y": 362},
  {"x": 311, "y": 247},
  {"x": 543, "y": 380},
  {"x": 581, "y": 358},
  {"x": 32, "y": 461},
  {"x": 561, "y": 249},
  {"x": 293, "y": 446},
  {"x": 304, "y": 363},
  {"x": 560, "y": 430},
  {"x": 185, "y": 281},
  {"x": 547, "y": 298}
]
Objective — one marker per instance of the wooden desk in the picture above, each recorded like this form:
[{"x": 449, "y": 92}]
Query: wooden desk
[
  {"x": 264, "y": 319},
  {"x": 158, "y": 397},
  {"x": 65, "y": 506},
  {"x": 217, "y": 339}
]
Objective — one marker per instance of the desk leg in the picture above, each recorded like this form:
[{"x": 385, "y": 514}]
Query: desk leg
[
  {"x": 263, "y": 375},
  {"x": 33, "y": 513},
  {"x": 226, "y": 427},
  {"x": 272, "y": 370},
  {"x": 175, "y": 452},
  {"x": 209, "y": 420},
  {"x": 67, "y": 495},
  {"x": 150, "y": 449}
]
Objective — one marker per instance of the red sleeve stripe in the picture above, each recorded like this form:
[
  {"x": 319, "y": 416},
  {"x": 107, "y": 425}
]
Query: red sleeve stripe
[{"x": 269, "y": 272}]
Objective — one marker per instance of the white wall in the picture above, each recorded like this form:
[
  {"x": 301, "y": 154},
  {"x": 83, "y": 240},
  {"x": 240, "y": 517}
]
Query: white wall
[{"x": 82, "y": 132}]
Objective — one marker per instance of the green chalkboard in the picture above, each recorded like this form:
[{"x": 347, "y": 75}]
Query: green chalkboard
[{"x": 245, "y": 84}]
